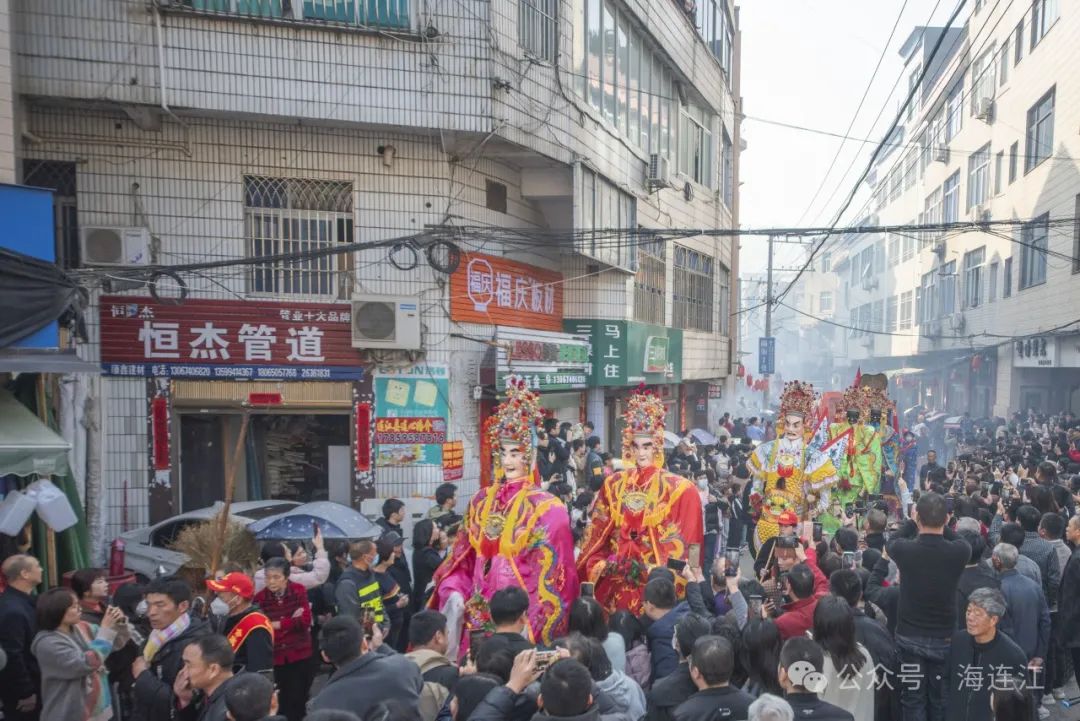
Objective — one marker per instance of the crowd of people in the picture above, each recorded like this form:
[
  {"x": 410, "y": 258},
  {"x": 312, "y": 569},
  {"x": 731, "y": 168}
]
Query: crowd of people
[{"x": 966, "y": 605}]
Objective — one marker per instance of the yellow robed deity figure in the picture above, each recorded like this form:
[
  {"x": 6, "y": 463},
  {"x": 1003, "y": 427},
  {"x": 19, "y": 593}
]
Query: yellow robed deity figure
[{"x": 796, "y": 471}]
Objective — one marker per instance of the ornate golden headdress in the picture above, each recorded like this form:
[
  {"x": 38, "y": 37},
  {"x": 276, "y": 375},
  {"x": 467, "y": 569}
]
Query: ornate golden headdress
[
  {"x": 877, "y": 399},
  {"x": 644, "y": 417},
  {"x": 798, "y": 399},
  {"x": 514, "y": 421},
  {"x": 856, "y": 398}
]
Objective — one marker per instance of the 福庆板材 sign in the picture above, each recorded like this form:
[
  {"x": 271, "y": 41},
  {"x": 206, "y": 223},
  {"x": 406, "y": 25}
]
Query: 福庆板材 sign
[{"x": 491, "y": 290}]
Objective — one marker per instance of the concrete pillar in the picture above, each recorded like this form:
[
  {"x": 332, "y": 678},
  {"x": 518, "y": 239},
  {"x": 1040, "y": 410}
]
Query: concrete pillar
[{"x": 594, "y": 412}]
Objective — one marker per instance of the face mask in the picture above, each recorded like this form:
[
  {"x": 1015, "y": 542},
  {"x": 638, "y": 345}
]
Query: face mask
[
  {"x": 703, "y": 485},
  {"x": 218, "y": 607},
  {"x": 141, "y": 608}
]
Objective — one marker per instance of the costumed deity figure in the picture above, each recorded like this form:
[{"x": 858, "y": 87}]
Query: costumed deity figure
[
  {"x": 795, "y": 471},
  {"x": 514, "y": 535},
  {"x": 860, "y": 471},
  {"x": 892, "y": 483},
  {"x": 642, "y": 516}
]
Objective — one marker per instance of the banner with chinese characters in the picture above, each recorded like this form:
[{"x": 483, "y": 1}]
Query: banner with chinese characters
[
  {"x": 491, "y": 290},
  {"x": 453, "y": 454},
  {"x": 626, "y": 353},
  {"x": 412, "y": 411},
  {"x": 227, "y": 339}
]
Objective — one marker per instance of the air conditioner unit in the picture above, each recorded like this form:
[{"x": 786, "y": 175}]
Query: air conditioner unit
[
  {"x": 388, "y": 322},
  {"x": 100, "y": 245},
  {"x": 957, "y": 321},
  {"x": 981, "y": 214},
  {"x": 659, "y": 172},
  {"x": 984, "y": 109},
  {"x": 941, "y": 153},
  {"x": 869, "y": 282}
]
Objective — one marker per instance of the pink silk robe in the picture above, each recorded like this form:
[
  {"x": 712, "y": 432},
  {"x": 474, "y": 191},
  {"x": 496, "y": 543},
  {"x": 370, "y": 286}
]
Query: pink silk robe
[{"x": 514, "y": 535}]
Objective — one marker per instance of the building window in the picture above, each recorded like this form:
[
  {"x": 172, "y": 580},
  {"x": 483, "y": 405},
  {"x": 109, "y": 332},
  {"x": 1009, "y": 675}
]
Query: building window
[
  {"x": 905, "y": 311},
  {"x": 913, "y": 81},
  {"x": 495, "y": 193},
  {"x": 877, "y": 318},
  {"x": 950, "y": 210},
  {"x": 369, "y": 13},
  {"x": 896, "y": 184},
  {"x": 1044, "y": 13},
  {"x": 1014, "y": 154},
  {"x": 982, "y": 79},
  {"x": 650, "y": 283},
  {"x": 929, "y": 309},
  {"x": 537, "y": 27},
  {"x": 947, "y": 287},
  {"x": 696, "y": 145},
  {"x": 1003, "y": 62},
  {"x": 999, "y": 169},
  {"x": 296, "y": 215},
  {"x": 911, "y": 164},
  {"x": 1018, "y": 43},
  {"x": 826, "y": 262},
  {"x": 925, "y": 150},
  {"x": 1040, "y": 131},
  {"x": 727, "y": 168},
  {"x": 991, "y": 295},
  {"x": 978, "y": 177},
  {"x": 692, "y": 290},
  {"x": 1006, "y": 279},
  {"x": 1033, "y": 238},
  {"x": 973, "y": 277},
  {"x": 931, "y": 216},
  {"x": 716, "y": 29},
  {"x": 891, "y": 313},
  {"x": 1076, "y": 237},
  {"x": 907, "y": 245},
  {"x": 602, "y": 205},
  {"x": 59, "y": 176},
  {"x": 918, "y": 305},
  {"x": 825, "y": 302},
  {"x": 954, "y": 115},
  {"x": 894, "y": 248}
]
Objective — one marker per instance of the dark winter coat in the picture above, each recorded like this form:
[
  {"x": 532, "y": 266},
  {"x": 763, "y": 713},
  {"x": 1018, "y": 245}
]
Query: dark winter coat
[
  {"x": 363, "y": 682},
  {"x": 1069, "y": 602},
  {"x": 715, "y": 704},
  {"x": 153, "y": 691},
  {"x": 21, "y": 677},
  {"x": 964, "y": 699}
]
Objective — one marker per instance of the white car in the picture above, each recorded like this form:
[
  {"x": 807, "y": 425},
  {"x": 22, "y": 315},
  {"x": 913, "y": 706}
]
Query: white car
[{"x": 147, "y": 549}]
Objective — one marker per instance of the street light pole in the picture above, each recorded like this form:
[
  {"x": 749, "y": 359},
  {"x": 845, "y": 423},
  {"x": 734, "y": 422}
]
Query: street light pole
[{"x": 768, "y": 321}]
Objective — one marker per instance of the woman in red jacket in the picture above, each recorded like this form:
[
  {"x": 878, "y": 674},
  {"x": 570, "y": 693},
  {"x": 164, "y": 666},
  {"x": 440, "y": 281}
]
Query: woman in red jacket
[{"x": 285, "y": 603}]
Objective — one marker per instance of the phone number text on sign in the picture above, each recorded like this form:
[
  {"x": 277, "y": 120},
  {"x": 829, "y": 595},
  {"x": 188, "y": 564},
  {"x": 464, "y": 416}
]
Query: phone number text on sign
[{"x": 410, "y": 430}]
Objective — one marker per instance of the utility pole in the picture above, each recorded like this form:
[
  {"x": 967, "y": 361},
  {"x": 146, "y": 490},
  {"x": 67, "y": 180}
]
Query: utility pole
[{"x": 768, "y": 321}]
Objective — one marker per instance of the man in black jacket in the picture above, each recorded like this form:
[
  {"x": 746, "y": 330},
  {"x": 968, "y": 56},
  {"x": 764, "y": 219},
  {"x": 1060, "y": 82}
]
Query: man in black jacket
[
  {"x": 509, "y": 609},
  {"x": 1069, "y": 597},
  {"x": 887, "y": 598},
  {"x": 156, "y": 669},
  {"x": 364, "y": 674},
  {"x": 801, "y": 664},
  {"x": 670, "y": 692},
  {"x": 393, "y": 512},
  {"x": 975, "y": 575},
  {"x": 979, "y": 657},
  {"x": 711, "y": 664},
  {"x": 20, "y": 680},
  {"x": 875, "y": 637},
  {"x": 553, "y": 451},
  {"x": 205, "y": 679}
]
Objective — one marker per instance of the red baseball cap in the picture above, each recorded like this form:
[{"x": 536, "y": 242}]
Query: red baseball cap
[
  {"x": 788, "y": 518},
  {"x": 235, "y": 582}
]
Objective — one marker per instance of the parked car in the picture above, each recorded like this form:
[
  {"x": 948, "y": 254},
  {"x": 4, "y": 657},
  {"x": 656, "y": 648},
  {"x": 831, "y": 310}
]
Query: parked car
[{"x": 147, "y": 549}]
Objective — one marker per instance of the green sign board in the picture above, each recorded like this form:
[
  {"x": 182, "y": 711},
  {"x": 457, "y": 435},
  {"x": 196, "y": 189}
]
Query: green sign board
[{"x": 626, "y": 353}]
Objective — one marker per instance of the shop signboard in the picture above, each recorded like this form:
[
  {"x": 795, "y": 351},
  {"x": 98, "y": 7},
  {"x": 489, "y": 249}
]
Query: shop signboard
[
  {"x": 453, "y": 455},
  {"x": 491, "y": 290},
  {"x": 411, "y": 414},
  {"x": 1035, "y": 352},
  {"x": 766, "y": 355},
  {"x": 227, "y": 340},
  {"x": 627, "y": 353},
  {"x": 546, "y": 361}
]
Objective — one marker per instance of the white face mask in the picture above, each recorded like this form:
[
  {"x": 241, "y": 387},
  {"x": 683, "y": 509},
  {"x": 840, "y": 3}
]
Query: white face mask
[
  {"x": 703, "y": 484},
  {"x": 218, "y": 607},
  {"x": 141, "y": 608}
]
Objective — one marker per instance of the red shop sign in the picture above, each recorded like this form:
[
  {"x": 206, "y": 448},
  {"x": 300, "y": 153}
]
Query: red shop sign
[{"x": 228, "y": 339}]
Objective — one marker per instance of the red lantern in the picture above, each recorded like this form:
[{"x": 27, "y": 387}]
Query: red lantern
[
  {"x": 976, "y": 363},
  {"x": 749, "y": 381},
  {"x": 741, "y": 372}
]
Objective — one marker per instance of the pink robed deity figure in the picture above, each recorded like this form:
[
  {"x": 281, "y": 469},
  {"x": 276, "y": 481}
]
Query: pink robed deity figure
[{"x": 514, "y": 534}]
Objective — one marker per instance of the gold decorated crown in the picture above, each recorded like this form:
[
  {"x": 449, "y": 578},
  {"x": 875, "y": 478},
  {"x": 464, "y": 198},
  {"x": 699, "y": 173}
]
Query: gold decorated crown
[
  {"x": 515, "y": 419},
  {"x": 799, "y": 399},
  {"x": 857, "y": 398},
  {"x": 644, "y": 416},
  {"x": 877, "y": 399}
]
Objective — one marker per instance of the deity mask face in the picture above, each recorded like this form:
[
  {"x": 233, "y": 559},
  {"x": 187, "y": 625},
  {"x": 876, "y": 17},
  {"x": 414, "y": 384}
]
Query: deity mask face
[
  {"x": 852, "y": 416},
  {"x": 514, "y": 462},
  {"x": 875, "y": 416},
  {"x": 793, "y": 427},
  {"x": 644, "y": 452}
]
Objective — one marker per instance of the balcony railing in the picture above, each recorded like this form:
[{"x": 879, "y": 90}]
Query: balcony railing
[{"x": 392, "y": 14}]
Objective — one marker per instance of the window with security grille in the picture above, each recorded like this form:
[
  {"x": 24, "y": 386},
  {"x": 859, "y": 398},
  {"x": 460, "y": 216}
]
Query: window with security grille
[
  {"x": 692, "y": 290},
  {"x": 537, "y": 27},
  {"x": 649, "y": 283},
  {"x": 978, "y": 176},
  {"x": 300, "y": 217},
  {"x": 58, "y": 176},
  {"x": 905, "y": 310}
]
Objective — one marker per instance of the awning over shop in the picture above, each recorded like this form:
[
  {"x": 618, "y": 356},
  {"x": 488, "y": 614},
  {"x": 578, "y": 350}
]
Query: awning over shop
[
  {"x": 28, "y": 446},
  {"x": 31, "y": 360}
]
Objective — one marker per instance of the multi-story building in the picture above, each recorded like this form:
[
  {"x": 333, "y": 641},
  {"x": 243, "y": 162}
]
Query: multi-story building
[
  {"x": 531, "y": 137},
  {"x": 980, "y": 319},
  {"x": 7, "y": 106}
]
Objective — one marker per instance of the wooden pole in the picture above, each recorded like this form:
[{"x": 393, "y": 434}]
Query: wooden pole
[
  {"x": 230, "y": 485},
  {"x": 50, "y": 535}
]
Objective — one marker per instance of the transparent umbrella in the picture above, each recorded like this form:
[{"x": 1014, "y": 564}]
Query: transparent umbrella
[{"x": 335, "y": 521}]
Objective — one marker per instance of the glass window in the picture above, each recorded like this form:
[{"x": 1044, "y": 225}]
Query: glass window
[
  {"x": 594, "y": 55},
  {"x": 1003, "y": 62},
  {"x": 633, "y": 96},
  {"x": 911, "y": 162},
  {"x": 982, "y": 79},
  {"x": 650, "y": 283},
  {"x": 907, "y": 244},
  {"x": 1018, "y": 43},
  {"x": 954, "y": 116},
  {"x": 978, "y": 176},
  {"x": 1040, "y": 131},
  {"x": 991, "y": 295},
  {"x": 894, "y": 248},
  {"x": 692, "y": 290},
  {"x": 644, "y": 139},
  {"x": 1014, "y": 154},
  {"x": 1044, "y": 13},
  {"x": 931, "y": 216},
  {"x": 1076, "y": 237},
  {"x": 973, "y": 277},
  {"x": 727, "y": 160},
  {"x": 1033, "y": 237},
  {"x": 610, "y": 36},
  {"x": 891, "y": 308},
  {"x": 695, "y": 145},
  {"x": 951, "y": 199},
  {"x": 826, "y": 262},
  {"x": 905, "y": 311},
  {"x": 929, "y": 297},
  {"x": 1006, "y": 279},
  {"x": 896, "y": 183},
  {"x": 913, "y": 80},
  {"x": 999, "y": 169},
  {"x": 825, "y": 302},
  {"x": 947, "y": 286},
  {"x": 622, "y": 73},
  {"x": 877, "y": 316},
  {"x": 537, "y": 26}
]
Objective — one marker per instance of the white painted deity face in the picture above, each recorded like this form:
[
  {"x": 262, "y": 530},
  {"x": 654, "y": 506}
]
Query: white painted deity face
[
  {"x": 644, "y": 451},
  {"x": 793, "y": 427},
  {"x": 514, "y": 461}
]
